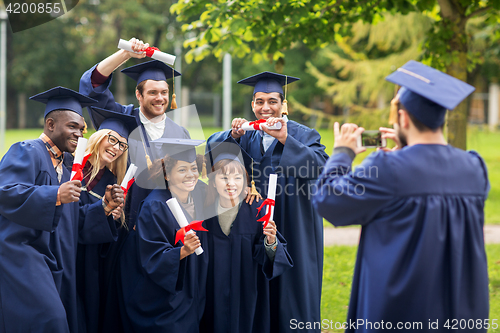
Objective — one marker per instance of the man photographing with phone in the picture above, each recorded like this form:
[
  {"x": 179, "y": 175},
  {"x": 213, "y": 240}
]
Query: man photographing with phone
[{"x": 421, "y": 256}]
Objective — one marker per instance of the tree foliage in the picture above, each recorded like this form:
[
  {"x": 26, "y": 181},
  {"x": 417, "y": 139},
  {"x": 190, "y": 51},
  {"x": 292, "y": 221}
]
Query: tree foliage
[{"x": 266, "y": 29}]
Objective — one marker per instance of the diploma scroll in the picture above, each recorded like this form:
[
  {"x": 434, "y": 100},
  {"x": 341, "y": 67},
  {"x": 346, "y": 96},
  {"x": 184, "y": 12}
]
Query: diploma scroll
[
  {"x": 270, "y": 201},
  {"x": 128, "y": 180},
  {"x": 271, "y": 193},
  {"x": 157, "y": 54},
  {"x": 176, "y": 210},
  {"x": 76, "y": 171},
  {"x": 251, "y": 126}
]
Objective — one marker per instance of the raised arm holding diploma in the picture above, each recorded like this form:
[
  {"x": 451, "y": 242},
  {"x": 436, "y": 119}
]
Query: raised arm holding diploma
[{"x": 151, "y": 52}]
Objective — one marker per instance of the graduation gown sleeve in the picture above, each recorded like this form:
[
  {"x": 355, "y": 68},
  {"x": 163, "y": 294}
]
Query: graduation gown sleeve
[
  {"x": 23, "y": 199},
  {"x": 102, "y": 93},
  {"x": 158, "y": 257},
  {"x": 340, "y": 192},
  {"x": 300, "y": 157},
  {"x": 282, "y": 260},
  {"x": 95, "y": 227}
]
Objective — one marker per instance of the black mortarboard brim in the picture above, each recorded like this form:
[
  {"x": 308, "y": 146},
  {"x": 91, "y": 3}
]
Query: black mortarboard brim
[
  {"x": 178, "y": 149},
  {"x": 427, "y": 93},
  {"x": 150, "y": 70},
  {"x": 225, "y": 150},
  {"x": 60, "y": 98},
  {"x": 268, "y": 82},
  {"x": 122, "y": 124}
]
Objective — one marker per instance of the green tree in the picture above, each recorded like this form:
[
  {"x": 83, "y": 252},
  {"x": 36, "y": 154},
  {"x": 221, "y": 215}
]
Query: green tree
[{"x": 267, "y": 28}]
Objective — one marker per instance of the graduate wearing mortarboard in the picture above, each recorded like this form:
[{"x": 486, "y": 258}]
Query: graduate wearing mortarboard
[
  {"x": 296, "y": 154},
  {"x": 103, "y": 172},
  {"x": 162, "y": 282},
  {"x": 421, "y": 256},
  {"x": 39, "y": 222},
  {"x": 152, "y": 93},
  {"x": 243, "y": 254}
]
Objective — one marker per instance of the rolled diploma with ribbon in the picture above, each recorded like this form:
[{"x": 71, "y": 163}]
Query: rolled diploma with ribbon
[
  {"x": 248, "y": 126},
  {"x": 79, "y": 155},
  {"x": 128, "y": 177},
  {"x": 271, "y": 193},
  {"x": 157, "y": 54},
  {"x": 176, "y": 209}
]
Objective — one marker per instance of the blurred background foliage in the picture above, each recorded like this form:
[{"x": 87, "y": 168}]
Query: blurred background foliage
[{"x": 342, "y": 65}]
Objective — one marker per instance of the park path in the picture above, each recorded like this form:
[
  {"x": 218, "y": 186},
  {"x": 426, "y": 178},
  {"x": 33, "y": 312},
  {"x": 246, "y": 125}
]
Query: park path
[{"x": 350, "y": 235}]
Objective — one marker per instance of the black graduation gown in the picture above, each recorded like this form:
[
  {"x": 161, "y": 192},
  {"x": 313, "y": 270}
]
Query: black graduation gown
[
  {"x": 296, "y": 294},
  {"x": 90, "y": 257},
  {"x": 160, "y": 292},
  {"x": 421, "y": 255},
  {"x": 38, "y": 243},
  {"x": 239, "y": 273}
]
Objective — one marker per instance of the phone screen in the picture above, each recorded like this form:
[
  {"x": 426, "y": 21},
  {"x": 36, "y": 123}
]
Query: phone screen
[{"x": 372, "y": 139}]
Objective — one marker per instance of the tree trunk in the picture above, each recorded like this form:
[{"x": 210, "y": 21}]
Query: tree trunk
[{"x": 454, "y": 20}]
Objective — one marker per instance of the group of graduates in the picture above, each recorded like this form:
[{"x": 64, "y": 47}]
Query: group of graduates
[{"x": 93, "y": 256}]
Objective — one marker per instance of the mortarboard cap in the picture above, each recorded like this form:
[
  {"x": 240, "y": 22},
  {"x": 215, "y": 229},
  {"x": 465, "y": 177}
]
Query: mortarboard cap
[
  {"x": 60, "y": 98},
  {"x": 268, "y": 82},
  {"x": 178, "y": 149},
  {"x": 427, "y": 93},
  {"x": 122, "y": 124},
  {"x": 225, "y": 150},
  {"x": 150, "y": 70}
]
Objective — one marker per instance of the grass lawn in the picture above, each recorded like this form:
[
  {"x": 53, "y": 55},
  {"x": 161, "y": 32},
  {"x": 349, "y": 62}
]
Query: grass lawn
[{"x": 339, "y": 269}]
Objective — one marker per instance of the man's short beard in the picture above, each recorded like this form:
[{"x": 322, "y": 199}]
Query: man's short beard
[{"x": 401, "y": 136}]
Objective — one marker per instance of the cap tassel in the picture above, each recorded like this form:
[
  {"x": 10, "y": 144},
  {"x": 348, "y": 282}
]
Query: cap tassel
[
  {"x": 253, "y": 190},
  {"x": 173, "y": 105},
  {"x": 284, "y": 106},
  {"x": 393, "y": 114},
  {"x": 204, "y": 170},
  {"x": 148, "y": 161},
  {"x": 84, "y": 127}
]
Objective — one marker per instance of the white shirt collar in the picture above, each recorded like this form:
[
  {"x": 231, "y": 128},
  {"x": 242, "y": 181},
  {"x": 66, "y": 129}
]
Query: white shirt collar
[{"x": 154, "y": 130}]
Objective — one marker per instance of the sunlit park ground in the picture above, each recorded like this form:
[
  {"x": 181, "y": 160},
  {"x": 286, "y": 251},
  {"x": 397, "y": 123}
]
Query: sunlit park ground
[{"x": 339, "y": 260}]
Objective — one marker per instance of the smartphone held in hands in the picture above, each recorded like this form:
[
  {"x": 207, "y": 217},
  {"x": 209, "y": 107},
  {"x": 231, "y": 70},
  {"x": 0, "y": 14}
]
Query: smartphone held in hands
[{"x": 372, "y": 139}]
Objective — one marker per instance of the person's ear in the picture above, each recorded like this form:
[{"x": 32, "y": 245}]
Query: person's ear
[
  {"x": 138, "y": 94},
  {"x": 404, "y": 118},
  {"x": 50, "y": 124}
]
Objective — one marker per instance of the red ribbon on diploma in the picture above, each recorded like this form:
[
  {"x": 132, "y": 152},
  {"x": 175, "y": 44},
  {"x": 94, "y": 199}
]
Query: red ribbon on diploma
[
  {"x": 150, "y": 50},
  {"x": 77, "y": 168},
  {"x": 256, "y": 124},
  {"x": 125, "y": 190},
  {"x": 269, "y": 203},
  {"x": 181, "y": 233}
]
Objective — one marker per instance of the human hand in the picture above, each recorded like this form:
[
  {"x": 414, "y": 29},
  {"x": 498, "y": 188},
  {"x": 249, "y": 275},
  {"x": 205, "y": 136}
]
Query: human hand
[
  {"x": 347, "y": 136},
  {"x": 70, "y": 191},
  {"x": 137, "y": 46},
  {"x": 280, "y": 134},
  {"x": 251, "y": 197},
  {"x": 390, "y": 133},
  {"x": 270, "y": 232},
  {"x": 191, "y": 243},
  {"x": 114, "y": 195},
  {"x": 117, "y": 212},
  {"x": 237, "y": 132}
]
